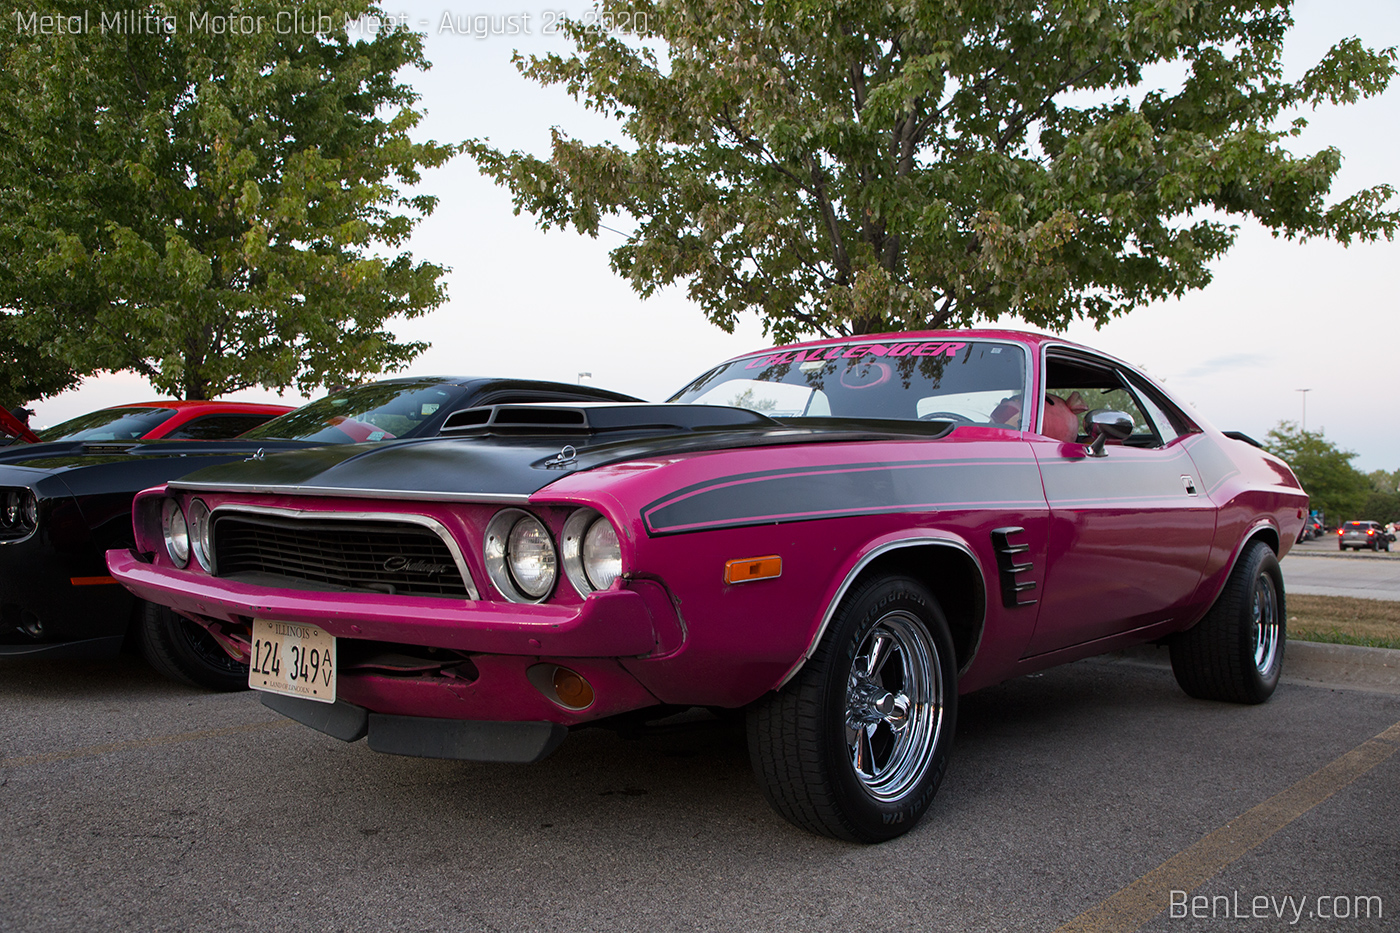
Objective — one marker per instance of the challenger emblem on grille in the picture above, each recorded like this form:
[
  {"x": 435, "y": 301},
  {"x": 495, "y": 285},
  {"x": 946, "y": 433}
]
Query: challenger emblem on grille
[{"x": 401, "y": 564}]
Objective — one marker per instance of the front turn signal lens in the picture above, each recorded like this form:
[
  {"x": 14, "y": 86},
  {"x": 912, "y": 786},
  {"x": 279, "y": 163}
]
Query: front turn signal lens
[
  {"x": 748, "y": 569},
  {"x": 562, "y": 686},
  {"x": 571, "y": 689}
]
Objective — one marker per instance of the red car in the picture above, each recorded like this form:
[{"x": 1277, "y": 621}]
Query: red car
[
  {"x": 165, "y": 418},
  {"x": 837, "y": 538}
]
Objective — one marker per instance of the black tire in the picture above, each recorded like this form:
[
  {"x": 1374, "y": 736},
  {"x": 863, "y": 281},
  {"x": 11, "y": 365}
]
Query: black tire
[
  {"x": 1341, "y": 546},
  {"x": 802, "y": 744},
  {"x": 181, "y": 650},
  {"x": 1235, "y": 653}
]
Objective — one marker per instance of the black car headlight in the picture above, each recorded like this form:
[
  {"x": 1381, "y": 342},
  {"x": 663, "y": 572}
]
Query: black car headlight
[
  {"x": 592, "y": 553},
  {"x": 176, "y": 531},
  {"x": 520, "y": 556},
  {"x": 19, "y": 512}
]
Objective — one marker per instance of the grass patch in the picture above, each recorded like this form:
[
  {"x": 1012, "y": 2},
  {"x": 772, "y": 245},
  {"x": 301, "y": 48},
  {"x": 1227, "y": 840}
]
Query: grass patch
[{"x": 1344, "y": 620}]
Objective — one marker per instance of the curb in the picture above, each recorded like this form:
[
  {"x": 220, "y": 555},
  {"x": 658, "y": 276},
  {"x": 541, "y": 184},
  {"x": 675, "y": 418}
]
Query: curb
[
  {"x": 1392, "y": 554},
  {"x": 1308, "y": 663}
]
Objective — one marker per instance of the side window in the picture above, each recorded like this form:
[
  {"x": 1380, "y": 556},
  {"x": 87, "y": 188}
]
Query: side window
[
  {"x": 1171, "y": 420},
  {"x": 216, "y": 427},
  {"x": 1075, "y": 386}
]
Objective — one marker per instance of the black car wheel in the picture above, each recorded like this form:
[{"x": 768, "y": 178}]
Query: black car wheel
[
  {"x": 856, "y": 744},
  {"x": 183, "y": 651},
  {"x": 1236, "y": 652}
]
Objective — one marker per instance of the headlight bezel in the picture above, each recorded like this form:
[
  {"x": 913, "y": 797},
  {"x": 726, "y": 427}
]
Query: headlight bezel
[
  {"x": 499, "y": 559},
  {"x": 577, "y": 529},
  {"x": 170, "y": 513}
]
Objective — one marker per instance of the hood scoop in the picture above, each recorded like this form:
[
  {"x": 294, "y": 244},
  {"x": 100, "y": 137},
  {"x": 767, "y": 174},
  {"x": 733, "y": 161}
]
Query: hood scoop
[
  {"x": 598, "y": 418},
  {"x": 109, "y": 447}
]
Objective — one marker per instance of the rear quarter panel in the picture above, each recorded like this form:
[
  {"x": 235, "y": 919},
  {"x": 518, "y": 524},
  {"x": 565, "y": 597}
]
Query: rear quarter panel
[{"x": 1255, "y": 493}]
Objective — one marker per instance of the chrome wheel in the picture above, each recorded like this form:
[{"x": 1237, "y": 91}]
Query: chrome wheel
[
  {"x": 894, "y": 706},
  {"x": 1266, "y": 623},
  {"x": 857, "y": 743},
  {"x": 1235, "y": 653}
]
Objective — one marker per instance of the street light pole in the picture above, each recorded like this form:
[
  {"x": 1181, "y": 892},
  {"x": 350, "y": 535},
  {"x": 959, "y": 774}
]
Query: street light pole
[{"x": 1305, "y": 407}]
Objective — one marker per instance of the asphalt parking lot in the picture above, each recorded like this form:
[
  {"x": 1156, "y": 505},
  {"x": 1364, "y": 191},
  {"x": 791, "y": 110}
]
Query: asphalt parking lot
[{"x": 1079, "y": 799}]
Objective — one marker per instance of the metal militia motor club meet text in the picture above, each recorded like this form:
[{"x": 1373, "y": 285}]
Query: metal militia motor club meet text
[{"x": 149, "y": 22}]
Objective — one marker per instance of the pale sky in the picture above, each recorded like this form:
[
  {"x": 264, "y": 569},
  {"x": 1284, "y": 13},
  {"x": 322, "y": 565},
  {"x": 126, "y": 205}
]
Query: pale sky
[{"x": 1278, "y": 317}]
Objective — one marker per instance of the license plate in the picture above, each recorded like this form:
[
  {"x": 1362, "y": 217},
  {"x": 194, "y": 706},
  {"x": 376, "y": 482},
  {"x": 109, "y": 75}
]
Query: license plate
[{"x": 294, "y": 659}]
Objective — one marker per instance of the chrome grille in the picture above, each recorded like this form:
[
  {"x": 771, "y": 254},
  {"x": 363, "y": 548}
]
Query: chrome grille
[{"x": 381, "y": 556}]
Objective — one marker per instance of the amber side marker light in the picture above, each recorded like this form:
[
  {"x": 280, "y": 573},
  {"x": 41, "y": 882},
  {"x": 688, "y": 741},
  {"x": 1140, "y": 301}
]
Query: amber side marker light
[
  {"x": 753, "y": 568},
  {"x": 91, "y": 581}
]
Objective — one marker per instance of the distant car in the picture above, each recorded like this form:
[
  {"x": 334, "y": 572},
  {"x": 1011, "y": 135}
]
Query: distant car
[
  {"x": 164, "y": 419},
  {"x": 1360, "y": 535},
  {"x": 64, "y": 503},
  {"x": 836, "y": 538}
]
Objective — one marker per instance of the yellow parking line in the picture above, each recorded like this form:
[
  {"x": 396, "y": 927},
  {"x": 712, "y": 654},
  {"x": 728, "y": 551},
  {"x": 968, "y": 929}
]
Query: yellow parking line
[
  {"x": 1148, "y": 896},
  {"x": 95, "y": 750}
]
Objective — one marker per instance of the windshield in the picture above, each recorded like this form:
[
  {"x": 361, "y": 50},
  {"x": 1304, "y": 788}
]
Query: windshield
[
  {"x": 965, "y": 382},
  {"x": 110, "y": 424},
  {"x": 376, "y": 412}
]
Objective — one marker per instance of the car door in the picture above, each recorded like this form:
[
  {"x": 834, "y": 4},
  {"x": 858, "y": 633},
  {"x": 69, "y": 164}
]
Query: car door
[{"x": 1130, "y": 530}]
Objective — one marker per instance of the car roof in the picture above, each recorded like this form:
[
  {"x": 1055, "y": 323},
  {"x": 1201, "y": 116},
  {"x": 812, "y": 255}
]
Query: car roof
[{"x": 202, "y": 404}]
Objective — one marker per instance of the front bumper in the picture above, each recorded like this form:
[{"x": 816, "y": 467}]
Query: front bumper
[
  {"x": 58, "y": 602},
  {"x": 488, "y": 679},
  {"x": 613, "y": 624}
]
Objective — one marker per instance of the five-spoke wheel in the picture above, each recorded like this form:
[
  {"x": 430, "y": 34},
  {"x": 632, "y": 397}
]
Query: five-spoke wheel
[{"x": 857, "y": 743}]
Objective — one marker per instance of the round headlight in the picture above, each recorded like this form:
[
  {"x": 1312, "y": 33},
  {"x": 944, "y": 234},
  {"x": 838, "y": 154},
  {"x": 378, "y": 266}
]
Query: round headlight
[
  {"x": 520, "y": 556},
  {"x": 592, "y": 556},
  {"x": 602, "y": 555},
  {"x": 177, "y": 533},
  {"x": 531, "y": 557},
  {"x": 31, "y": 511},
  {"x": 200, "y": 546}
]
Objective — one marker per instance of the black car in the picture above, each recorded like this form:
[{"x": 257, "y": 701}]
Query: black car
[{"x": 63, "y": 505}]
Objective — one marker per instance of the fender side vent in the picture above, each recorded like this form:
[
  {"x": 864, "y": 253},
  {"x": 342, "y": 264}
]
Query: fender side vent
[{"x": 1009, "y": 568}]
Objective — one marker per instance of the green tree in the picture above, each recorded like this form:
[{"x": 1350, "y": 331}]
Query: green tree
[
  {"x": 213, "y": 198},
  {"x": 1383, "y": 499},
  {"x": 1333, "y": 485},
  {"x": 26, "y": 374},
  {"x": 848, "y": 167}
]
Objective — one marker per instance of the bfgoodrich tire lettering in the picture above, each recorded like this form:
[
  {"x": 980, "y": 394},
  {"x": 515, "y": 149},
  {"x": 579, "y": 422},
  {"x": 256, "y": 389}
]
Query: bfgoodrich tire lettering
[
  {"x": 181, "y": 650},
  {"x": 856, "y": 744},
  {"x": 1236, "y": 652}
]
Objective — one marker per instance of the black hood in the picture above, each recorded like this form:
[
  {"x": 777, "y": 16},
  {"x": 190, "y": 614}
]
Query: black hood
[
  {"x": 514, "y": 451},
  {"x": 87, "y": 467}
]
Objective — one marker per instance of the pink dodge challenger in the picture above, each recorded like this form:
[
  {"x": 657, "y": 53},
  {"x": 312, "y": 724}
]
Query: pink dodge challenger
[{"x": 837, "y": 537}]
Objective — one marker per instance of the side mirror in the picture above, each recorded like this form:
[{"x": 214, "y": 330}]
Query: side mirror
[{"x": 1105, "y": 423}]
